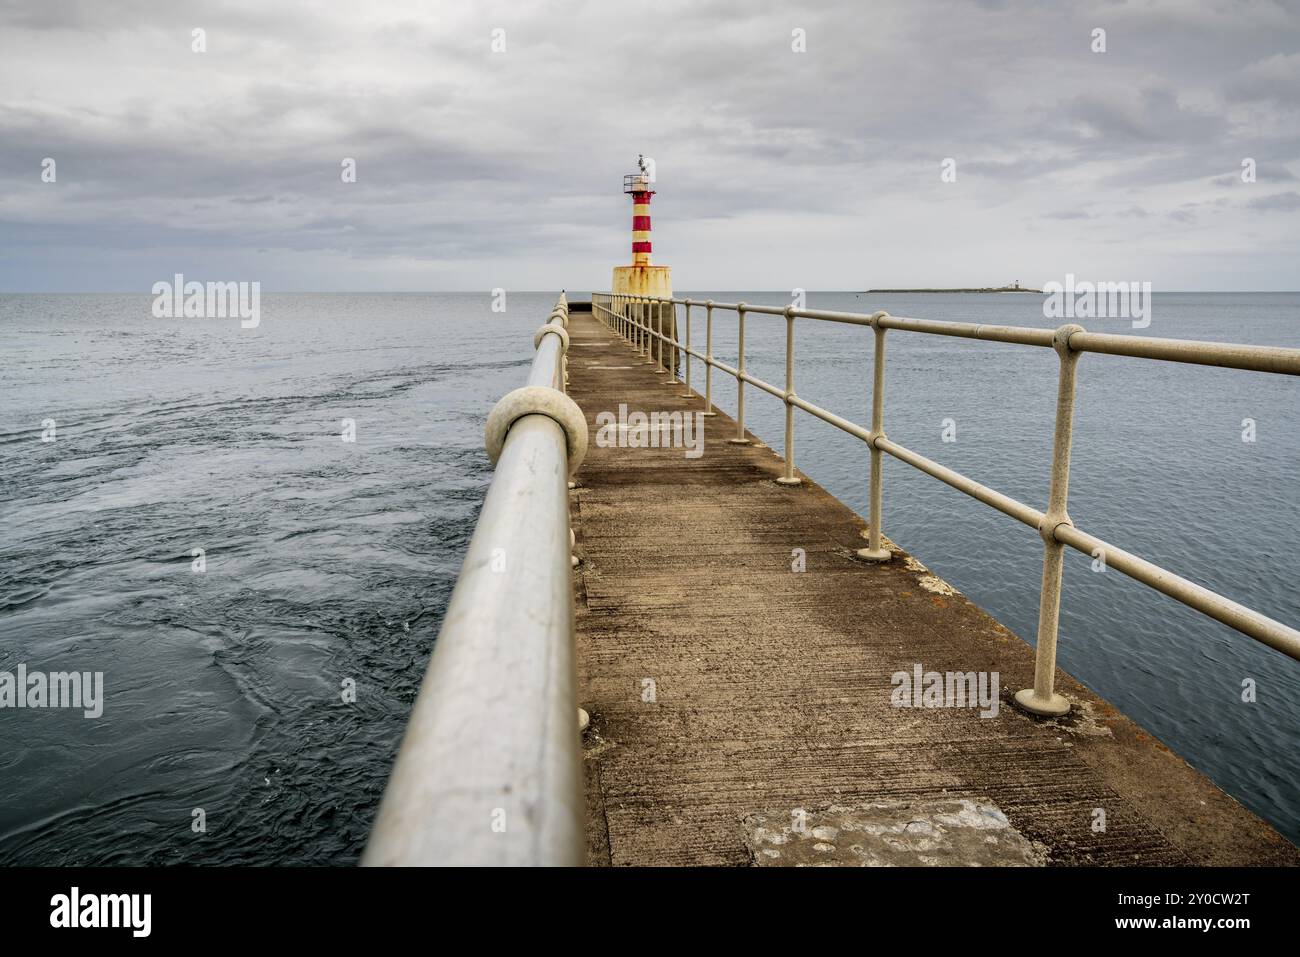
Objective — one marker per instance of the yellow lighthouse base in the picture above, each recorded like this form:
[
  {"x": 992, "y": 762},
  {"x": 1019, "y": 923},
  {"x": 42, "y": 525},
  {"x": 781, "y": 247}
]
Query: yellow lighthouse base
[
  {"x": 655, "y": 281},
  {"x": 643, "y": 281}
]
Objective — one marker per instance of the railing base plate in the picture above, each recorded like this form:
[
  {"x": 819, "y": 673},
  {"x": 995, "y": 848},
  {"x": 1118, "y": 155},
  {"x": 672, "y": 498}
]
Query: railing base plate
[{"x": 1053, "y": 707}]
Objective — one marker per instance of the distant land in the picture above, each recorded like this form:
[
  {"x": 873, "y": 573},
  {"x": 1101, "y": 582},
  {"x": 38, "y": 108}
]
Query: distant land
[{"x": 1013, "y": 287}]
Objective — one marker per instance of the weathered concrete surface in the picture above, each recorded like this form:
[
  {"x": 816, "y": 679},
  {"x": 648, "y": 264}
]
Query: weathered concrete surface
[
  {"x": 954, "y": 833},
  {"x": 771, "y": 689}
]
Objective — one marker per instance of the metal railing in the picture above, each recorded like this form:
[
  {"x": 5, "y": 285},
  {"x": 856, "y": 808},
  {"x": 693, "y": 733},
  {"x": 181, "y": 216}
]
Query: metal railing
[
  {"x": 626, "y": 315},
  {"x": 489, "y": 770}
]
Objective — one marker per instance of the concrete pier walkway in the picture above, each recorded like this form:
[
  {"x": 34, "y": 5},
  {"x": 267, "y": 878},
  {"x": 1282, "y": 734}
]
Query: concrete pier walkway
[{"x": 741, "y": 710}]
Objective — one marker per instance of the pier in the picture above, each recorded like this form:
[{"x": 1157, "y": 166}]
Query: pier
[{"x": 659, "y": 659}]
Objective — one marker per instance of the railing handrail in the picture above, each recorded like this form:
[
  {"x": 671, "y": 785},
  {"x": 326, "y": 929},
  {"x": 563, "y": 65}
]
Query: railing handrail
[
  {"x": 1229, "y": 355},
  {"x": 627, "y": 315},
  {"x": 489, "y": 770}
]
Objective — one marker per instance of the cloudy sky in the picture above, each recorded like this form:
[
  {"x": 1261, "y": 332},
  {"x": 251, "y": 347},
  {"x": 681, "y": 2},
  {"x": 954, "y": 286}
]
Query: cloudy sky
[{"x": 776, "y": 169}]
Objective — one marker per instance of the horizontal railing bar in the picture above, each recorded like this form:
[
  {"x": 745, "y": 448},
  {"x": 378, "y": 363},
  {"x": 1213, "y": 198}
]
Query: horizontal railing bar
[
  {"x": 547, "y": 367},
  {"x": 844, "y": 425},
  {"x": 852, "y": 318},
  {"x": 1020, "y": 335},
  {"x": 489, "y": 768},
  {"x": 494, "y": 724},
  {"x": 849, "y": 318},
  {"x": 1261, "y": 627},
  {"x": 1003, "y": 503},
  {"x": 746, "y": 377},
  {"x": 1228, "y": 355},
  {"x": 765, "y": 386}
]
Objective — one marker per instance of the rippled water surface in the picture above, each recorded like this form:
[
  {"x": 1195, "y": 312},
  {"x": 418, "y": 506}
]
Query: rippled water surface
[
  {"x": 328, "y": 561},
  {"x": 325, "y": 560}
]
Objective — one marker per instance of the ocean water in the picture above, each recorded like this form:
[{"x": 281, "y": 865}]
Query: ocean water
[
  {"x": 325, "y": 561},
  {"x": 328, "y": 563}
]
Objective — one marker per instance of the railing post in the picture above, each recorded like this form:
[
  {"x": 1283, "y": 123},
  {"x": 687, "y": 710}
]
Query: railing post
[
  {"x": 670, "y": 341},
  {"x": 1042, "y": 698},
  {"x": 686, "y": 354},
  {"x": 657, "y": 310},
  {"x": 875, "y": 550},
  {"x": 667, "y": 308},
  {"x": 708, "y": 358},
  {"x": 644, "y": 326},
  {"x": 740, "y": 379},
  {"x": 789, "y": 478},
  {"x": 647, "y": 344}
]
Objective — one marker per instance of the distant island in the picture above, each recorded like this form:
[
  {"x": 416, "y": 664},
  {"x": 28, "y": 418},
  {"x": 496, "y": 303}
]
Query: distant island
[{"x": 1012, "y": 287}]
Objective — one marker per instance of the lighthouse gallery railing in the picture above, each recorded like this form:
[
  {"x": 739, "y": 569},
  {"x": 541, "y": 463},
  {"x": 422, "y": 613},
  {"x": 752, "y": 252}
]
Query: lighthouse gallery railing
[
  {"x": 637, "y": 320},
  {"x": 489, "y": 770}
]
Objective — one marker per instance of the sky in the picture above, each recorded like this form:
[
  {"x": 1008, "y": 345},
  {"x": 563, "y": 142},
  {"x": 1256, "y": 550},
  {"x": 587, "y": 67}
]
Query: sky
[{"x": 796, "y": 144}]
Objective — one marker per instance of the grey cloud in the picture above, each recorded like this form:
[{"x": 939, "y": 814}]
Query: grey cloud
[
  {"x": 471, "y": 165},
  {"x": 1277, "y": 202},
  {"x": 1274, "y": 78},
  {"x": 1149, "y": 115}
]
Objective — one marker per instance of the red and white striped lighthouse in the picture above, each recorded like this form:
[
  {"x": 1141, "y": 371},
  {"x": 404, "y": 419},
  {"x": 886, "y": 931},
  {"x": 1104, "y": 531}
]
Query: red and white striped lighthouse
[
  {"x": 641, "y": 278},
  {"x": 638, "y": 184}
]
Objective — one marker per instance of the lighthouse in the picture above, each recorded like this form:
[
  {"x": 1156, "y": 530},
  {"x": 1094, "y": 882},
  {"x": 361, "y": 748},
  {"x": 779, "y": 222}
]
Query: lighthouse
[{"x": 642, "y": 278}]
